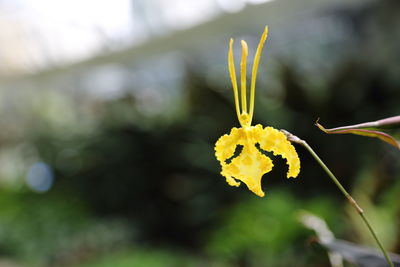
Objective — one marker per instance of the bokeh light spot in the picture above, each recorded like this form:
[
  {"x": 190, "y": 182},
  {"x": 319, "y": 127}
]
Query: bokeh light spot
[{"x": 40, "y": 177}]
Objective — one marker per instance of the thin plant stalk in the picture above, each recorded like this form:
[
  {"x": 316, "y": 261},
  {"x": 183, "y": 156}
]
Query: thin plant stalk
[{"x": 359, "y": 210}]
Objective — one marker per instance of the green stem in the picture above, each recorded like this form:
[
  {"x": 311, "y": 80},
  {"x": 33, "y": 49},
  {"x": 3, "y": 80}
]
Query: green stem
[{"x": 359, "y": 210}]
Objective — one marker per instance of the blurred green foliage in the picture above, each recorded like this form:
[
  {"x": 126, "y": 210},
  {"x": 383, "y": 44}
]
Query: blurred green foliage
[
  {"x": 47, "y": 229},
  {"x": 136, "y": 190},
  {"x": 258, "y": 232},
  {"x": 140, "y": 258}
]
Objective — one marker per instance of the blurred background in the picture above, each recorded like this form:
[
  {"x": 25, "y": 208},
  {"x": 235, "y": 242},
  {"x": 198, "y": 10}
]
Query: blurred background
[{"x": 110, "y": 111}]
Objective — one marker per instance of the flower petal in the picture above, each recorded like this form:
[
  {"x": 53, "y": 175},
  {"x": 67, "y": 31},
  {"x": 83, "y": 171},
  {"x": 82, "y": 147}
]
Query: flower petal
[
  {"x": 275, "y": 141},
  {"x": 226, "y": 144},
  {"x": 249, "y": 167}
]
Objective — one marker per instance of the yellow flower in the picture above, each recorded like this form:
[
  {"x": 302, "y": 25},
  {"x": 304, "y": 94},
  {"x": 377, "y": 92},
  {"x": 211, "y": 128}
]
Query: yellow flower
[{"x": 252, "y": 163}]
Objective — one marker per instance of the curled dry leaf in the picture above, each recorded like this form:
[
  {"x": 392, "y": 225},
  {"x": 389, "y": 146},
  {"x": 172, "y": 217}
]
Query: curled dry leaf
[{"x": 370, "y": 129}]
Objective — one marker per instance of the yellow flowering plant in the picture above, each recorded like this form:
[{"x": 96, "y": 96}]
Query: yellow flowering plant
[{"x": 251, "y": 164}]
